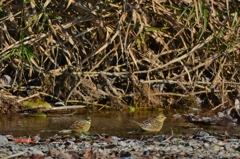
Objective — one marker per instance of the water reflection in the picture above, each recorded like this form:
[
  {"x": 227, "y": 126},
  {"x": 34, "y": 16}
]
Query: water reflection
[{"x": 108, "y": 122}]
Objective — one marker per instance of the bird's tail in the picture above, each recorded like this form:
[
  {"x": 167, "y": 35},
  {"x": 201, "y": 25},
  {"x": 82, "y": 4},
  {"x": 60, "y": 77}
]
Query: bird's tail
[
  {"x": 65, "y": 131},
  {"x": 135, "y": 122}
]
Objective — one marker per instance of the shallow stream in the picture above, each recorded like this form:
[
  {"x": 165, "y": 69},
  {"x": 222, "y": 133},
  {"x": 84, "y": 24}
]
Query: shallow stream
[{"x": 109, "y": 122}]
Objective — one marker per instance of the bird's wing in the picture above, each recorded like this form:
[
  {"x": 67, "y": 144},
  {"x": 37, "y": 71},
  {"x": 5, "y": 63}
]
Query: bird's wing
[
  {"x": 149, "y": 120},
  {"x": 77, "y": 124}
]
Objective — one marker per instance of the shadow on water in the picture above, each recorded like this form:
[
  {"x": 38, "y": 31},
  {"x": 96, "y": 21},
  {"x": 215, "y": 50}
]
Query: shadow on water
[{"x": 108, "y": 122}]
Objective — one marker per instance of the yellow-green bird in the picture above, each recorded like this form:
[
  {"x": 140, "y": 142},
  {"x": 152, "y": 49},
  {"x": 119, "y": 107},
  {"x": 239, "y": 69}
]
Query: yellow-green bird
[
  {"x": 79, "y": 126},
  {"x": 152, "y": 124}
]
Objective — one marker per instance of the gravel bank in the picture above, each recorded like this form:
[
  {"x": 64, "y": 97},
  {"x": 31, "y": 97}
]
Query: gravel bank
[{"x": 200, "y": 145}]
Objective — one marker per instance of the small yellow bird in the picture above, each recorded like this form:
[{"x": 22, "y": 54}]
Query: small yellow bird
[
  {"x": 79, "y": 126},
  {"x": 152, "y": 124}
]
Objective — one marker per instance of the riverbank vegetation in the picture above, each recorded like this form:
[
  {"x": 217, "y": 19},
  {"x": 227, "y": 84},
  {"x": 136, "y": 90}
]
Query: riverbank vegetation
[{"x": 111, "y": 53}]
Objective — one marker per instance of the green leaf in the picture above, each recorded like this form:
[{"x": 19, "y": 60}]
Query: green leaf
[
  {"x": 132, "y": 109},
  {"x": 205, "y": 19},
  {"x": 147, "y": 28},
  {"x": 36, "y": 103}
]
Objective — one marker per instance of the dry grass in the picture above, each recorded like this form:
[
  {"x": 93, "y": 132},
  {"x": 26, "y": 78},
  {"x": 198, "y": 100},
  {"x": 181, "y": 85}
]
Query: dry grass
[{"x": 137, "y": 53}]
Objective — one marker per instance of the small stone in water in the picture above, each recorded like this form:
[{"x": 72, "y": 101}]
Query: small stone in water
[
  {"x": 202, "y": 134},
  {"x": 3, "y": 140}
]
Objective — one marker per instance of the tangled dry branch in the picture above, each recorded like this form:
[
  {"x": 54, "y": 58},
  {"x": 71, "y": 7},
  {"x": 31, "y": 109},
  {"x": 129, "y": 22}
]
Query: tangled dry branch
[{"x": 125, "y": 52}]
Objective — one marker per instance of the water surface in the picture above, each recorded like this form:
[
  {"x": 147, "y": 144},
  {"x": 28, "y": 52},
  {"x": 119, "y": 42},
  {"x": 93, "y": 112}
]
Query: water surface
[{"x": 109, "y": 122}]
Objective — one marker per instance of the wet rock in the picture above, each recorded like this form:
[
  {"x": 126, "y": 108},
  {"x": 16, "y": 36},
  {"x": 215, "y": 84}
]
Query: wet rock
[
  {"x": 125, "y": 155},
  {"x": 3, "y": 140},
  {"x": 201, "y": 134}
]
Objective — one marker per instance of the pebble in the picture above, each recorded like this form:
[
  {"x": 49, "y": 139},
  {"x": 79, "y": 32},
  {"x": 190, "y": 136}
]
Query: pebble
[
  {"x": 3, "y": 140},
  {"x": 201, "y": 145},
  {"x": 122, "y": 143}
]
